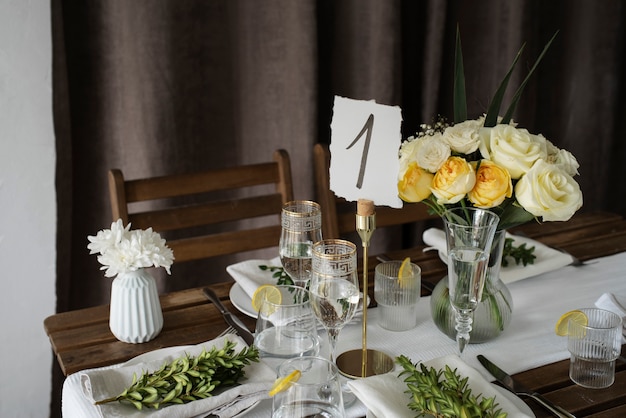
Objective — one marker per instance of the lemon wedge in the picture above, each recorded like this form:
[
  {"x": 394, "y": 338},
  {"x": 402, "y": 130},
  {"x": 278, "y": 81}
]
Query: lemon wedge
[
  {"x": 266, "y": 292},
  {"x": 283, "y": 383},
  {"x": 562, "y": 323},
  {"x": 405, "y": 272}
]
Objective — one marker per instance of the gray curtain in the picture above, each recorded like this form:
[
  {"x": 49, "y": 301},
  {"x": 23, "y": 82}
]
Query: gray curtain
[{"x": 168, "y": 86}]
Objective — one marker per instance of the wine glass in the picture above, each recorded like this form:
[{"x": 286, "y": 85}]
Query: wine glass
[
  {"x": 334, "y": 286},
  {"x": 469, "y": 234},
  {"x": 316, "y": 393},
  {"x": 301, "y": 222}
]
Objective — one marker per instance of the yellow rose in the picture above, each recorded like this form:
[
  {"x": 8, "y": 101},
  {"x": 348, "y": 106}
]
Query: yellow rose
[
  {"x": 493, "y": 185},
  {"x": 414, "y": 185},
  {"x": 453, "y": 181}
]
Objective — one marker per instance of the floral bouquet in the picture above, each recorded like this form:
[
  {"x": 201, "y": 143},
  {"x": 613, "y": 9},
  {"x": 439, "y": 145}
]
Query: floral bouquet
[
  {"x": 122, "y": 250},
  {"x": 489, "y": 163}
]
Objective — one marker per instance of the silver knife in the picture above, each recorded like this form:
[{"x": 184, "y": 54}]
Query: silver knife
[
  {"x": 230, "y": 319},
  {"x": 515, "y": 387}
]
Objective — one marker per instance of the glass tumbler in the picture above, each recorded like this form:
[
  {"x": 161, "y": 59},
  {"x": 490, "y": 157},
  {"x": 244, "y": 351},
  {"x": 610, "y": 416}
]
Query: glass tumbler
[
  {"x": 397, "y": 298},
  {"x": 286, "y": 329},
  {"x": 317, "y": 393},
  {"x": 594, "y": 348}
]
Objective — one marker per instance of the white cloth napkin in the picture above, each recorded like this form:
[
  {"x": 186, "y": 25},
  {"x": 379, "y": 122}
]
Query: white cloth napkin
[
  {"x": 616, "y": 304},
  {"x": 104, "y": 383},
  {"x": 612, "y": 303},
  {"x": 548, "y": 259},
  {"x": 384, "y": 394},
  {"x": 249, "y": 276}
]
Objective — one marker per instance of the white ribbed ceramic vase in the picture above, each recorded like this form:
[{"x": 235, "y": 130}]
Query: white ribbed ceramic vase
[{"x": 135, "y": 315}]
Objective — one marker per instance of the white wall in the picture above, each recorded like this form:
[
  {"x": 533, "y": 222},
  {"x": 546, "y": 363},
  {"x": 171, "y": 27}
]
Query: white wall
[{"x": 27, "y": 207}]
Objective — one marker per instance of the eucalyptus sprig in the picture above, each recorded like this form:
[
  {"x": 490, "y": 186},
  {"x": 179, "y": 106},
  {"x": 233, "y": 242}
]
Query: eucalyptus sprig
[
  {"x": 444, "y": 393},
  {"x": 520, "y": 253},
  {"x": 188, "y": 378}
]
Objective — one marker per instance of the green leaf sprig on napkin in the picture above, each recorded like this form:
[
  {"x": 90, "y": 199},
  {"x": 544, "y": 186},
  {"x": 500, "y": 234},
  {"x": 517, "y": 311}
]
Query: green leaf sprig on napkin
[
  {"x": 282, "y": 278},
  {"x": 520, "y": 254},
  {"x": 444, "y": 394},
  {"x": 188, "y": 378}
]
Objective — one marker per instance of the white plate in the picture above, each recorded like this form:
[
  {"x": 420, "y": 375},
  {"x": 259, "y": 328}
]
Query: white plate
[
  {"x": 168, "y": 351},
  {"x": 243, "y": 303},
  {"x": 241, "y": 300},
  {"x": 517, "y": 401}
]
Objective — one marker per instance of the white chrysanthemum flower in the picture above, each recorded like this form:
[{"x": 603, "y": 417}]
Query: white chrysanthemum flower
[
  {"x": 122, "y": 250},
  {"x": 108, "y": 238}
]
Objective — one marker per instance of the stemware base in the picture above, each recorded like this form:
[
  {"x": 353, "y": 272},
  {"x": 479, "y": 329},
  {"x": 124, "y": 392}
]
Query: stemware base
[{"x": 351, "y": 364}]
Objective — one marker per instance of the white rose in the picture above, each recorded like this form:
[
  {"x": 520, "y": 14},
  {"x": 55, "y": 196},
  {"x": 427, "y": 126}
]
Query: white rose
[
  {"x": 431, "y": 152},
  {"x": 567, "y": 162},
  {"x": 512, "y": 148},
  {"x": 463, "y": 137},
  {"x": 407, "y": 153},
  {"x": 563, "y": 159},
  {"x": 549, "y": 192}
]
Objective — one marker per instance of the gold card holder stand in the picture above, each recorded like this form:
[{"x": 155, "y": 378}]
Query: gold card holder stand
[{"x": 364, "y": 362}]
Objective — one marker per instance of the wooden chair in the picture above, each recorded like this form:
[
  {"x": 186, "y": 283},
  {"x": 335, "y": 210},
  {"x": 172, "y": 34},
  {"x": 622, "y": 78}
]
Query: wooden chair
[
  {"x": 338, "y": 216},
  {"x": 171, "y": 210}
]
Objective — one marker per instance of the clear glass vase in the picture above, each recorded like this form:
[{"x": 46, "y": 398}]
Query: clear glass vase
[{"x": 495, "y": 310}]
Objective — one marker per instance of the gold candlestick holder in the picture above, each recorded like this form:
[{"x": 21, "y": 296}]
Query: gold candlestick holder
[{"x": 364, "y": 362}]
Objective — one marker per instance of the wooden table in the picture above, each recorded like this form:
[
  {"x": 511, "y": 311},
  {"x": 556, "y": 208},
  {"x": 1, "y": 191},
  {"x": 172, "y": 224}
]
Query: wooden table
[{"x": 81, "y": 339}]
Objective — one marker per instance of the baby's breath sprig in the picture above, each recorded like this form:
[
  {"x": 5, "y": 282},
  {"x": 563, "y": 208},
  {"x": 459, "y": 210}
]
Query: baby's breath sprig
[
  {"x": 188, "y": 378},
  {"x": 444, "y": 394},
  {"x": 438, "y": 125}
]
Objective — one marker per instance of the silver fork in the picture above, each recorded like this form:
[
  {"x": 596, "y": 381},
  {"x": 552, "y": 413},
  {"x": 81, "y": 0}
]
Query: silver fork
[
  {"x": 575, "y": 260},
  {"x": 229, "y": 330}
]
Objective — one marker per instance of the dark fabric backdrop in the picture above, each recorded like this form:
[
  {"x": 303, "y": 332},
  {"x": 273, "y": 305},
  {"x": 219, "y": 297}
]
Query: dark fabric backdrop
[{"x": 164, "y": 86}]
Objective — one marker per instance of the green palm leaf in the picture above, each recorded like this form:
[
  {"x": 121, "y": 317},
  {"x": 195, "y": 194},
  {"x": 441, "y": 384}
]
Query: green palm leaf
[
  {"x": 460, "y": 101},
  {"x": 494, "y": 107},
  {"x": 509, "y": 113}
]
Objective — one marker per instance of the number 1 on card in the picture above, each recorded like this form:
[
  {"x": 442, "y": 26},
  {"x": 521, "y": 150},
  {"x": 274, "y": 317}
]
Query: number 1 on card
[
  {"x": 372, "y": 173},
  {"x": 366, "y": 147}
]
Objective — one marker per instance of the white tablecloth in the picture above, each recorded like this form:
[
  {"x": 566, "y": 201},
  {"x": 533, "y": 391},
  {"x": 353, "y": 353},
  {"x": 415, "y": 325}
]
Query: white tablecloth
[{"x": 528, "y": 342}]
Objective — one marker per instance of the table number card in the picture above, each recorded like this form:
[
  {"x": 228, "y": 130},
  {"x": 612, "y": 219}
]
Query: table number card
[{"x": 365, "y": 138}]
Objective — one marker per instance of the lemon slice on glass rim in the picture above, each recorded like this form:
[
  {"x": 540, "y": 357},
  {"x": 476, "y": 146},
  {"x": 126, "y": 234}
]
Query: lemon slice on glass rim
[
  {"x": 405, "y": 272},
  {"x": 284, "y": 383},
  {"x": 562, "y": 323},
  {"x": 266, "y": 292}
]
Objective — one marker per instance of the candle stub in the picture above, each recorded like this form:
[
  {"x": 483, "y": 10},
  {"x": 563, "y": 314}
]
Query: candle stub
[{"x": 365, "y": 207}]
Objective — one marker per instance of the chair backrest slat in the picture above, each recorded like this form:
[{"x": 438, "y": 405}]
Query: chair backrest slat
[
  {"x": 195, "y": 248},
  {"x": 204, "y": 182},
  {"x": 207, "y": 213}
]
